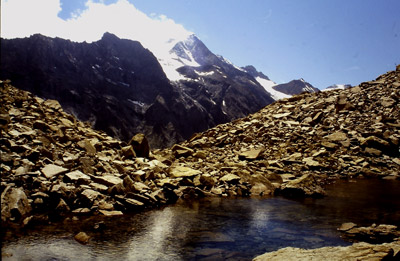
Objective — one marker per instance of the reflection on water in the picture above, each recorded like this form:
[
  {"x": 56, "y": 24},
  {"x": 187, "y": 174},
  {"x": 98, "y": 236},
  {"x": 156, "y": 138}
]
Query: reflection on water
[{"x": 215, "y": 229}]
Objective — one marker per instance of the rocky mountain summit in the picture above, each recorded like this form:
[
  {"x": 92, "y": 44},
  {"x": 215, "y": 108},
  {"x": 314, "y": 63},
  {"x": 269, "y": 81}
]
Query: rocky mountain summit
[{"x": 295, "y": 87}]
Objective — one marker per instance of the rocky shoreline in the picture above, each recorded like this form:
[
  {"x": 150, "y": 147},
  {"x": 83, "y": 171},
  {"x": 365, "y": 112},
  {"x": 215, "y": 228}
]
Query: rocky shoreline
[
  {"x": 357, "y": 251},
  {"x": 54, "y": 165}
]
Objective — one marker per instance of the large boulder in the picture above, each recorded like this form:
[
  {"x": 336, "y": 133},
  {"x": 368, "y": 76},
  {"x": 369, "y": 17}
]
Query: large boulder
[
  {"x": 183, "y": 172},
  {"x": 140, "y": 145},
  {"x": 14, "y": 204},
  {"x": 306, "y": 185}
]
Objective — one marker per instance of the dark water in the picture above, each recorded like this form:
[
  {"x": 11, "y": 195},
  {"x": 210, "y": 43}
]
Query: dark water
[{"x": 215, "y": 229}]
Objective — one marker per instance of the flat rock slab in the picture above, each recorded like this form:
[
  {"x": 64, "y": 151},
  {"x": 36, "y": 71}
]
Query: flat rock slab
[
  {"x": 230, "y": 178},
  {"x": 108, "y": 180},
  {"x": 77, "y": 175},
  {"x": 336, "y": 136},
  {"x": 251, "y": 154},
  {"x": 90, "y": 194},
  {"x": 52, "y": 170},
  {"x": 111, "y": 212},
  {"x": 182, "y": 171},
  {"x": 347, "y": 226}
]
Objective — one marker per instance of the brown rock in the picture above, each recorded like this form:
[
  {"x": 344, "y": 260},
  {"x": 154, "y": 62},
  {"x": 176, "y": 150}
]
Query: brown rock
[
  {"x": 336, "y": 136},
  {"x": 111, "y": 212},
  {"x": 90, "y": 195},
  {"x": 14, "y": 204},
  {"x": 78, "y": 177},
  {"x": 230, "y": 178},
  {"x": 358, "y": 251},
  {"x": 182, "y": 171},
  {"x": 82, "y": 238},
  {"x": 347, "y": 226},
  {"x": 52, "y": 170},
  {"x": 128, "y": 152},
  {"x": 88, "y": 146},
  {"x": 310, "y": 162},
  {"x": 140, "y": 145},
  {"x": 306, "y": 185},
  {"x": 62, "y": 206},
  {"x": 259, "y": 189},
  {"x": 53, "y": 104},
  {"x": 251, "y": 154},
  {"x": 182, "y": 151},
  {"x": 108, "y": 180}
]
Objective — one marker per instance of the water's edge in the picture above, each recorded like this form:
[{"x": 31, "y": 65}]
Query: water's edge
[{"x": 214, "y": 228}]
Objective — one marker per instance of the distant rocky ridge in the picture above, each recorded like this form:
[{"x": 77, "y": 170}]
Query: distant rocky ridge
[{"x": 295, "y": 87}]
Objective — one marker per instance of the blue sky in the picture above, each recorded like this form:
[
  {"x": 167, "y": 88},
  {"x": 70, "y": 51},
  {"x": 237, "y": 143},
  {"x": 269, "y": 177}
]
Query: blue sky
[{"x": 324, "y": 42}]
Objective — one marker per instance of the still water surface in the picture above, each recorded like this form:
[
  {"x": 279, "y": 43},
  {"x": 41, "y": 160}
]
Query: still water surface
[{"x": 216, "y": 228}]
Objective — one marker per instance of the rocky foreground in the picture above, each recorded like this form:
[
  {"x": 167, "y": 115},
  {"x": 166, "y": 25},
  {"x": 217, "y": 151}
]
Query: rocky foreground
[
  {"x": 54, "y": 165},
  {"x": 357, "y": 251}
]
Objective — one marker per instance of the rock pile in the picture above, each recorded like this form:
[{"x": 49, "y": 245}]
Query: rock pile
[
  {"x": 54, "y": 164},
  {"x": 292, "y": 145}
]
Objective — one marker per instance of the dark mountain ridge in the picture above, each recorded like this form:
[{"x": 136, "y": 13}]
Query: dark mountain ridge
[
  {"x": 119, "y": 86},
  {"x": 115, "y": 84}
]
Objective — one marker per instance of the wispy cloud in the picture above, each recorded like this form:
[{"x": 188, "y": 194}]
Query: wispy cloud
[{"x": 22, "y": 18}]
